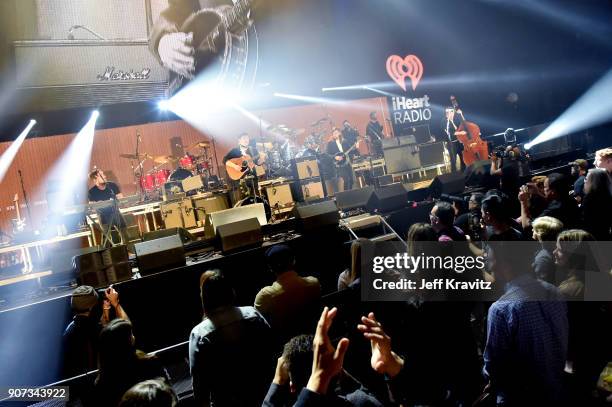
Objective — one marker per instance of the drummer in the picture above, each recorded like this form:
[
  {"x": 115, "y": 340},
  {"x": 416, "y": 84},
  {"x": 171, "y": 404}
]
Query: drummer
[{"x": 184, "y": 170}]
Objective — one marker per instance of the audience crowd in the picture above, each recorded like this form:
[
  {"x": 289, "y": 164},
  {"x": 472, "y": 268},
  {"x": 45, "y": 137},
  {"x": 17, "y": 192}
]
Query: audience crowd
[{"x": 541, "y": 343}]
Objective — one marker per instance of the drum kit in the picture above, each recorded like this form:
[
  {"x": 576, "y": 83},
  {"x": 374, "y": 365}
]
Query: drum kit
[
  {"x": 154, "y": 180},
  {"x": 280, "y": 148}
]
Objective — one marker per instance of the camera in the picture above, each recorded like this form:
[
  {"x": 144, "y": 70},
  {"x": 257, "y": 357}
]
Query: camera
[
  {"x": 454, "y": 198},
  {"x": 500, "y": 152}
]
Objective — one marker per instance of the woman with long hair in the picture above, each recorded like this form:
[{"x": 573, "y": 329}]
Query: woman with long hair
[{"x": 120, "y": 364}]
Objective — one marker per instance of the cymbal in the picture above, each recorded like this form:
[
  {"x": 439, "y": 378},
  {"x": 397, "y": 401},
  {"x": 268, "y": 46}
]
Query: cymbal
[
  {"x": 143, "y": 156},
  {"x": 163, "y": 159},
  {"x": 201, "y": 144}
]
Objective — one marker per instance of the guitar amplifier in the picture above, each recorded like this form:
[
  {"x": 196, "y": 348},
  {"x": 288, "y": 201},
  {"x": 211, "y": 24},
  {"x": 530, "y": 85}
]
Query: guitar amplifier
[
  {"x": 306, "y": 167},
  {"x": 308, "y": 189},
  {"x": 279, "y": 196},
  {"x": 63, "y": 74},
  {"x": 178, "y": 214},
  {"x": 204, "y": 204}
]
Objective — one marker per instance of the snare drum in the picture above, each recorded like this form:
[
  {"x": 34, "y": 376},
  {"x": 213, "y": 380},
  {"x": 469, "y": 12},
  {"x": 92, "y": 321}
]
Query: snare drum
[
  {"x": 147, "y": 182},
  {"x": 161, "y": 176}
]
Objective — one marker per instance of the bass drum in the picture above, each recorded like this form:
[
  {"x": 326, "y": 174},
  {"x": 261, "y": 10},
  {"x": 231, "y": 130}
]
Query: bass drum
[{"x": 249, "y": 200}]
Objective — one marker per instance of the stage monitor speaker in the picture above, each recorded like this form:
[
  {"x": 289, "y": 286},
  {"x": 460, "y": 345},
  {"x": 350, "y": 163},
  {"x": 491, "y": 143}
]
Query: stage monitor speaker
[
  {"x": 416, "y": 194},
  {"x": 183, "y": 233},
  {"x": 388, "y": 198},
  {"x": 401, "y": 220},
  {"x": 431, "y": 154},
  {"x": 354, "y": 198},
  {"x": 160, "y": 254},
  {"x": 401, "y": 159},
  {"x": 318, "y": 215},
  {"x": 238, "y": 235},
  {"x": 452, "y": 184},
  {"x": 256, "y": 210}
]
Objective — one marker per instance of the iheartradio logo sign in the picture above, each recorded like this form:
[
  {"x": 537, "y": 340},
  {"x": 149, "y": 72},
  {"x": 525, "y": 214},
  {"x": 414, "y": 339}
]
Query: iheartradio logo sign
[{"x": 400, "y": 68}]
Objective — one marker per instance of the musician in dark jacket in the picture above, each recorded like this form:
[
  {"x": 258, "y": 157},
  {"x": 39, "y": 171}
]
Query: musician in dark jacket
[
  {"x": 337, "y": 147},
  {"x": 374, "y": 132},
  {"x": 450, "y": 124}
]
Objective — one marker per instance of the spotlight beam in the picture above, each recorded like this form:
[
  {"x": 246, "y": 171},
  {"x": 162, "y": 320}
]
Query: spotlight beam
[
  {"x": 594, "y": 107},
  {"x": 71, "y": 169},
  {"x": 9, "y": 155}
]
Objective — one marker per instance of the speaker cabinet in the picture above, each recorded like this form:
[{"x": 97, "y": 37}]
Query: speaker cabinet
[
  {"x": 452, "y": 183},
  {"x": 316, "y": 216},
  {"x": 178, "y": 214},
  {"x": 354, "y": 198},
  {"x": 103, "y": 267},
  {"x": 183, "y": 234},
  {"x": 306, "y": 167},
  {"x": 309, "y": 189},
  {"x": 238, "y": 235},
  {"x": 209, "y": 204},
  {"x": 160, "y": 254},
  {"x": 401, "y": 159},
  {"x": 279, "y": 196},
  {"x": 388, "y": 198},
  {"x": 431, "y": 154}
]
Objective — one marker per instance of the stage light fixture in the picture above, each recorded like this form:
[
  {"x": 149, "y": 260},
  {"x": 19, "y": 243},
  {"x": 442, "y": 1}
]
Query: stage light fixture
[
  {"x": 9, "y": 155},
  {"x": 163, "y": 105}
]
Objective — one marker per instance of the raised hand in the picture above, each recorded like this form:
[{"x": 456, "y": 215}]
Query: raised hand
[
  {"x": 327, "y": 360},
  {"x": 383, "y": 360}
]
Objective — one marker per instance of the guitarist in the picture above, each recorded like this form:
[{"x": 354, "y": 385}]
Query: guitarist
[
  {"x": 336, "y": 148},
  {"x": 174, "y": 49},
  {"x": 244, "y": 148}
]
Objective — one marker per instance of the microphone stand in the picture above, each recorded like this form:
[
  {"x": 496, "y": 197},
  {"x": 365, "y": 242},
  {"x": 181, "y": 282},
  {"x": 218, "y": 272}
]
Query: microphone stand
[
  {"x": 25, "y": 198},
  {"x": 140, "y": 167}
]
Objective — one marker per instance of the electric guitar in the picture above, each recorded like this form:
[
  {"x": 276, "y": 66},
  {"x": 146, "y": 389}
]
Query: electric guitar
[
  {"x": 344, "y": 155},
  {"x": 231, "y": 57},
  {"x": 19, "y": 223}
]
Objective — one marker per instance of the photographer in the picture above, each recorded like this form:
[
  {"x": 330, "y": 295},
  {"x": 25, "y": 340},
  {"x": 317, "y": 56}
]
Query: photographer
[
  {"x": 469, "y": 222},
  {"x": 91, "y": 314},
  {"x": 505, "y": 164}
]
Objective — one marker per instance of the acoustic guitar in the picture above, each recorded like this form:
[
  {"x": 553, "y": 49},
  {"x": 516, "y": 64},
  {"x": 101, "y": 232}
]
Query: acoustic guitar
[{"x": 246, "y": 164}]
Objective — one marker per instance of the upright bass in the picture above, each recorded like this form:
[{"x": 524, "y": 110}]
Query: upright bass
[{"x": 468, "y": 134}]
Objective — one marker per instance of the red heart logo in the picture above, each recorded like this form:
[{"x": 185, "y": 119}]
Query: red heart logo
[{"x": 400, "y": 68}]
